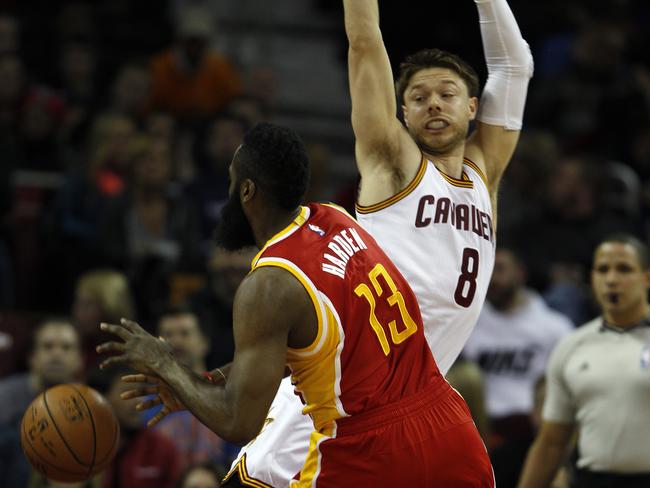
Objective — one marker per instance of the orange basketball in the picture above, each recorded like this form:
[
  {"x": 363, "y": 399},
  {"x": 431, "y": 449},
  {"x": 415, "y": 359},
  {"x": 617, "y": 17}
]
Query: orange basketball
[{"x": 69, "y": 433}]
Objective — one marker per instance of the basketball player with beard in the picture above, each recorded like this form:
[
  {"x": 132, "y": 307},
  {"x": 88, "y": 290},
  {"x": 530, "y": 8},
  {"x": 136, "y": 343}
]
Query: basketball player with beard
[{"x": 323, "y": 299}]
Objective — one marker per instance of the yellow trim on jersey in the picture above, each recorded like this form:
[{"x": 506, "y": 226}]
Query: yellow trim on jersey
[
  {"x": 312, "y": 294},
  {"x": 480, "y": 172},
  {"x": 311, "y": 469},
  {"x": 244, "y": 477},
  {"x": 300, "y": 219},
  {"x": 399, "y": 196},
  {"x": 464, "y": 182}
]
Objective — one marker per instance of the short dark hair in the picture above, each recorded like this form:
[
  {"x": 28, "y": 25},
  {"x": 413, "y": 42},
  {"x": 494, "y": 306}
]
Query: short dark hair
[
  {"x": 181, "y": 309},
  {"x": 53, "y": 320},
  {"x": 275, "y": 158},
  {"x": 641, "y": 249},
  {"x": 435, "y": 58}
]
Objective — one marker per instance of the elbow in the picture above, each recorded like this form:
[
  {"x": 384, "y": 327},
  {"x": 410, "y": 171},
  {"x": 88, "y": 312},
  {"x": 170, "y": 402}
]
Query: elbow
[
  {"x": 523, "y": 64},
  {"x": 520, "y": 66},
  {"x": 364, "y": 39},
  {"x": 527, "y": 62},
  {"x": 240, "y": 433}
]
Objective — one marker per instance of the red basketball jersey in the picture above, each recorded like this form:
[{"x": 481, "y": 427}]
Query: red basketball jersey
[{"x": 370, "y": 349}]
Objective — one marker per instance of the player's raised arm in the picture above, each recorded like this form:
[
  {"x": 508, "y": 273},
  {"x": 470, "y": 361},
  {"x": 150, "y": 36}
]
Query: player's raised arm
[
  {"x": 380, "y": 137},
  {"x": 501, "y": 107}
]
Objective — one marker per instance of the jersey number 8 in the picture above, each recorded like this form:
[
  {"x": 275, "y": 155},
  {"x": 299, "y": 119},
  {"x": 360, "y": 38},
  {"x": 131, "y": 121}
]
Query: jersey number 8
[{"x": 466, "y": 287}]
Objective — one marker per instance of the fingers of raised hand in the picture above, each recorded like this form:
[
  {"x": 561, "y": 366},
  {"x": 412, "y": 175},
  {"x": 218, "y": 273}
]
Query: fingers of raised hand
[
  {"x": 111, "y": 347},
  {"x": 117, "y": 330},
  {"x": 158, "y": 417},
  {"x": 112, "y": 361},
  {"x": 141, "y": 378},
  {"x": 139, "y": 392},
  {"x": 131, "y": 326},
  {"x": 147, "y": 404}
]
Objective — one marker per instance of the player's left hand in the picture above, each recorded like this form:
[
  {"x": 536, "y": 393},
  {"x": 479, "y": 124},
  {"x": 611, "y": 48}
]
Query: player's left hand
[{"x": 139, "y": 349}]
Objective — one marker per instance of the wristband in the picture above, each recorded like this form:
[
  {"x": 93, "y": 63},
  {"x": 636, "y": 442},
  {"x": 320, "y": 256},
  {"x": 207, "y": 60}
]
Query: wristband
[{"x": 215, "y": 381}]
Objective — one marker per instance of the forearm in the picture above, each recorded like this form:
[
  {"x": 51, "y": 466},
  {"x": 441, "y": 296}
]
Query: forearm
[
  {"x": 209, "y": 402},
  {"x": 542, "y": 464},
  {"x": 509, "y": 63},
  {"x": 361, "y": 22},
  {"x": 221, "y": 373}
]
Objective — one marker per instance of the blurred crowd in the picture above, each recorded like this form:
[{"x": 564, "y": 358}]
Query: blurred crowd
[{"x": 118, "y": 121}]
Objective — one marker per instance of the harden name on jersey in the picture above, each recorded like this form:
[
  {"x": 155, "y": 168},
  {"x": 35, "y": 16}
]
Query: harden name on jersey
[{"x": 344, "y": 245}]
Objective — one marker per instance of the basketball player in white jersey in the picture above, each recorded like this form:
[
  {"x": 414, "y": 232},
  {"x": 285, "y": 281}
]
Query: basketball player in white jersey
[{"x": 428, "y": 193}]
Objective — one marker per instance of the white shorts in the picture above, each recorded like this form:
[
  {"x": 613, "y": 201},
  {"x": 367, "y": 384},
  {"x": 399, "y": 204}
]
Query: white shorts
[{"x": 278, "y": 453}]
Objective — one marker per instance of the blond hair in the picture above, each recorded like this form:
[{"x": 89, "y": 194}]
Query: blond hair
[{"x": 111, "y": 290}]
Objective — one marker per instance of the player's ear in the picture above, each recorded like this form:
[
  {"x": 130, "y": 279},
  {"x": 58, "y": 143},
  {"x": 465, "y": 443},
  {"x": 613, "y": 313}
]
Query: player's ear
[
  {"x": 405, "y": 115},
  {"x": 473, "y": 107},
  {"x": 247, "y": 190}
]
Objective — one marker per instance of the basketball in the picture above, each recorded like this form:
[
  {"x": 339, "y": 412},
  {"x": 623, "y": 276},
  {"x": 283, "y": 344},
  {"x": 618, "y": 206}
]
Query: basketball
[{"x": 69, "y": 433}]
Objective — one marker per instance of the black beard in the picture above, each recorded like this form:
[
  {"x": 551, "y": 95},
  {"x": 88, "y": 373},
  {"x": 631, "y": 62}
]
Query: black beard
[
  {"x": 503, "y": 298},
  {"x": 233, "y": 232}
]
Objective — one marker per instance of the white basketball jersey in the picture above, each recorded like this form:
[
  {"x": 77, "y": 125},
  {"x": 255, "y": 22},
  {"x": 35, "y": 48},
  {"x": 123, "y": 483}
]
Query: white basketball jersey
[{"x": 439, "y": 233}]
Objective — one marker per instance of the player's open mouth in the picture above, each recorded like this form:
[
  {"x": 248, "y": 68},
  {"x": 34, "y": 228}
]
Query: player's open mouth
[
  {"x": 436, "y": 124},
  {"x": 613, "y": 298}
]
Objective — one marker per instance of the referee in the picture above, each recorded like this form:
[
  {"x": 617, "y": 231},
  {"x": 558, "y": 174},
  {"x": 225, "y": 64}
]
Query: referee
[{"x": 598, "y": 381}]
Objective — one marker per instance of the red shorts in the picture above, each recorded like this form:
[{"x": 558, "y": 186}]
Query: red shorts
[{"x": 428, "y": 440}]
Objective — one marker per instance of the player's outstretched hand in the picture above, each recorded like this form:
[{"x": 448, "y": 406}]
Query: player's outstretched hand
[
  {"x": 155, "y": 386},
  {"x": 138, "y": 350}
]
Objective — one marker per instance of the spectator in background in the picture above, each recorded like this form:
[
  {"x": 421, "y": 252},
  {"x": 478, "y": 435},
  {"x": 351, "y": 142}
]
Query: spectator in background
[
  {"x": 598, "y": 382},
  {"x": 573, "y": 215},
  {"x": 214, "y": 146},
  {"x": 9, "y": 34},
  {"x": 181, "y": 328},
  {"x": 101, "y": 295},
  {"x": 150, "y": 231},
  {"x": 55, "y": 358},
  {"x": 189, "y": 80},
  {"x": 513, "y": 338},
  {"x": 145, "y": 458},
  {"x": 73, "y": 222},
  {"x": 41, "y": 116},
  {"x": 213, "y": 304},
  {"x": 131, "y": 91},
  {"x": 521, "y": 194},
  {"x": 110, "y": 157},
  {"x": 78, "y": 85},
  {"x": 570, "y": 101},
  {"x": 202, "y": 475},
  {"x": 195, "y": 442}
]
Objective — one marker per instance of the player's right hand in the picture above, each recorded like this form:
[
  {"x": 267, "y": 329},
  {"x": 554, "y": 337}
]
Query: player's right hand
[{"x": 163, "y": 396}]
